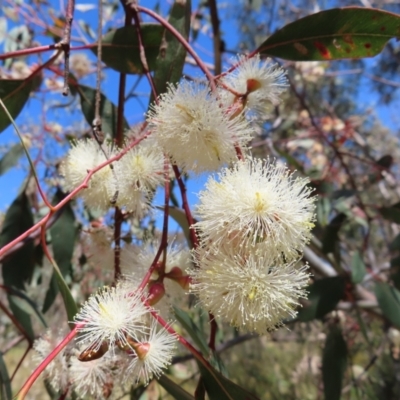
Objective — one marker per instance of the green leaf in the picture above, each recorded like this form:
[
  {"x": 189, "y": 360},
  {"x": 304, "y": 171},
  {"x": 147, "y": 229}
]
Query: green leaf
[
  {"x": 358, "y": 269},
  {"x": 18, "y": 267},
  {"x": 63, "y": 236},
  {"x": 108, "y": 110},
  {"x": 171, "y": 58},
  {"x": 5, "y": 383},
  {"x": 179, "y": 215},
  {"x": 26, "y": 304},
  {"x": 14, "y": 93},
  {"x": 219, "y": 387},
  {"x": 334, "y": 362},
  {"x": 193, "y": 330},
  {"x": 389, "y": 301},
  {"x": 323, "y": 297},
  {"x": 331, "y": 234},
  {"x": 11, "y": 158},
  {"x": 350, "y": 32},
  {"x": 395, "y": 244},
  {"x": 176, "y": 391},
  {"x": 121, "y": 51},
  {"x": 391, "y": 213}
]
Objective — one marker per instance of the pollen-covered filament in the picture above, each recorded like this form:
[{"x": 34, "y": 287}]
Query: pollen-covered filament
[
  {"x": 260, "y": 204},
  {"x": 253, "y": 293},
  {"x": 104, "y": 310},
  {"x": 186, "y": 111}
]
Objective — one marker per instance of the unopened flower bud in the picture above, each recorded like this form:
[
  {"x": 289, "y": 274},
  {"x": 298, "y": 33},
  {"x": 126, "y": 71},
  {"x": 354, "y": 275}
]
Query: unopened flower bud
[{"x": 156, "y": 292}]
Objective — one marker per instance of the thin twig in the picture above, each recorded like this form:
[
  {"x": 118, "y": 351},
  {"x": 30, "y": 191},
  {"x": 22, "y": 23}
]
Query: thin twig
[
  {"x": 216, "y": 36},
  {"x": 66, "y": 43}
]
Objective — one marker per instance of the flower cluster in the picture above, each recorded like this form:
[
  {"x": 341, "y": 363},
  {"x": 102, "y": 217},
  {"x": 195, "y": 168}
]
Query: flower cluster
[
  {"x": 117, "y": 338},
  {"x": 128, "y": 183},
  {"x": 255, "y": 219},
  {"x": 198, "y": 127}
]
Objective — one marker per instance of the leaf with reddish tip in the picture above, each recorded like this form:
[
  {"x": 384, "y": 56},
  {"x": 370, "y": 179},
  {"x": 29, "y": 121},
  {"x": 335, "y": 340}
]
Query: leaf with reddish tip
[{"x": 350, "y": 32}]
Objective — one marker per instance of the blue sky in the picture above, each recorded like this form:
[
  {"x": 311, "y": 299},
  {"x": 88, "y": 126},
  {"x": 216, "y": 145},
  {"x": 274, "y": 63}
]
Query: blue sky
[{"x": 11, "y": 181}]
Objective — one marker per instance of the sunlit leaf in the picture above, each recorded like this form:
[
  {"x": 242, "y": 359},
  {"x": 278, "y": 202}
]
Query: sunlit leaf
[
  {"x": 358, "y": 269},
  {"x": 178, "y": 214},
  {"x": 350, "y": 32},
  {"x": 11, "y": 158},
  {"x": 171, "y": 58},
  {"x": 63, "y": 236},
  {"x": 108, "y": 110},
  {"x": 389, "y": 301},
  {"x": 193, "y": 330},
  {"x": 334, "y": 362},
  {"x": 5, "y": 382},
  {"x": 121, "y": 50},
  {"x": 14, "y": 93}
]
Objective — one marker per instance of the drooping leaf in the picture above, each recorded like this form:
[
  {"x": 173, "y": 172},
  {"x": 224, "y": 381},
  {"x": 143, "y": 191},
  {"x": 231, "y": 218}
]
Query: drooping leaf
[
  {"x": 108, "y": 110},
  {"x": 324, "y": 294},
  {"x": 358, "y": 269},
  {"x": 26, "y": 304},
  {"x": 334, "y": 362},
  {"x": 193, "y": 330},
  {"x": 63, "y": 236},
  {"x": 17, "y": 268},
  {"x": 14, "y": 93},
  {"x": 11, "y": 158},
  {"x": 218, "y": 387},
  {"x": 121, "y": 51},
  {"x": 178, "y": 214},
  {"x": 175, "y": 390},
  {"x": 331, "y": 234},
  {"x": 391, "y": 213},
  {"x": 389, "y": 301},
  {"x": 350, "y": 32},
  {"x": 171, "y": 58},
  {"x": 5, "y": 383}
]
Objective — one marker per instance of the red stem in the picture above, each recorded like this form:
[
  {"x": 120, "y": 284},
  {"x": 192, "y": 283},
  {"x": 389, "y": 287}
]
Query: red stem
[
  {"x": 82, "y": 186},
  {"x": 185, "y": 205},
  {"x": 31, "y": 380},
  {"x": 181, "y": 39}
]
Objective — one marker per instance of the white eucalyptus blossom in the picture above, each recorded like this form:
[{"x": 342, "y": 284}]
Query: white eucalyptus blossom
[
  {"x": 57, "y": 372},
  {"x": 139, "y": 172},
  {"x": 261, "y": 82},
  {"x": 97, "y": 246},
  {"x": 96, "y": 378},
  {"x": 252, "y": 291},
  {"x": 136, "y": 261},
  {"x": 195, "y": 130},
  {"x": 152, "y": 353},
  {"x": 257, "y": 203},
  {"x": 84, "y": 156},
  {"x": 111, "y": 316}
]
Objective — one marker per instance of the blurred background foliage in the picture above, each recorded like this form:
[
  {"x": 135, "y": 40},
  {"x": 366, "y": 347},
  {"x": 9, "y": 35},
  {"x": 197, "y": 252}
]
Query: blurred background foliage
[{"x": 338, "y": 124}]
